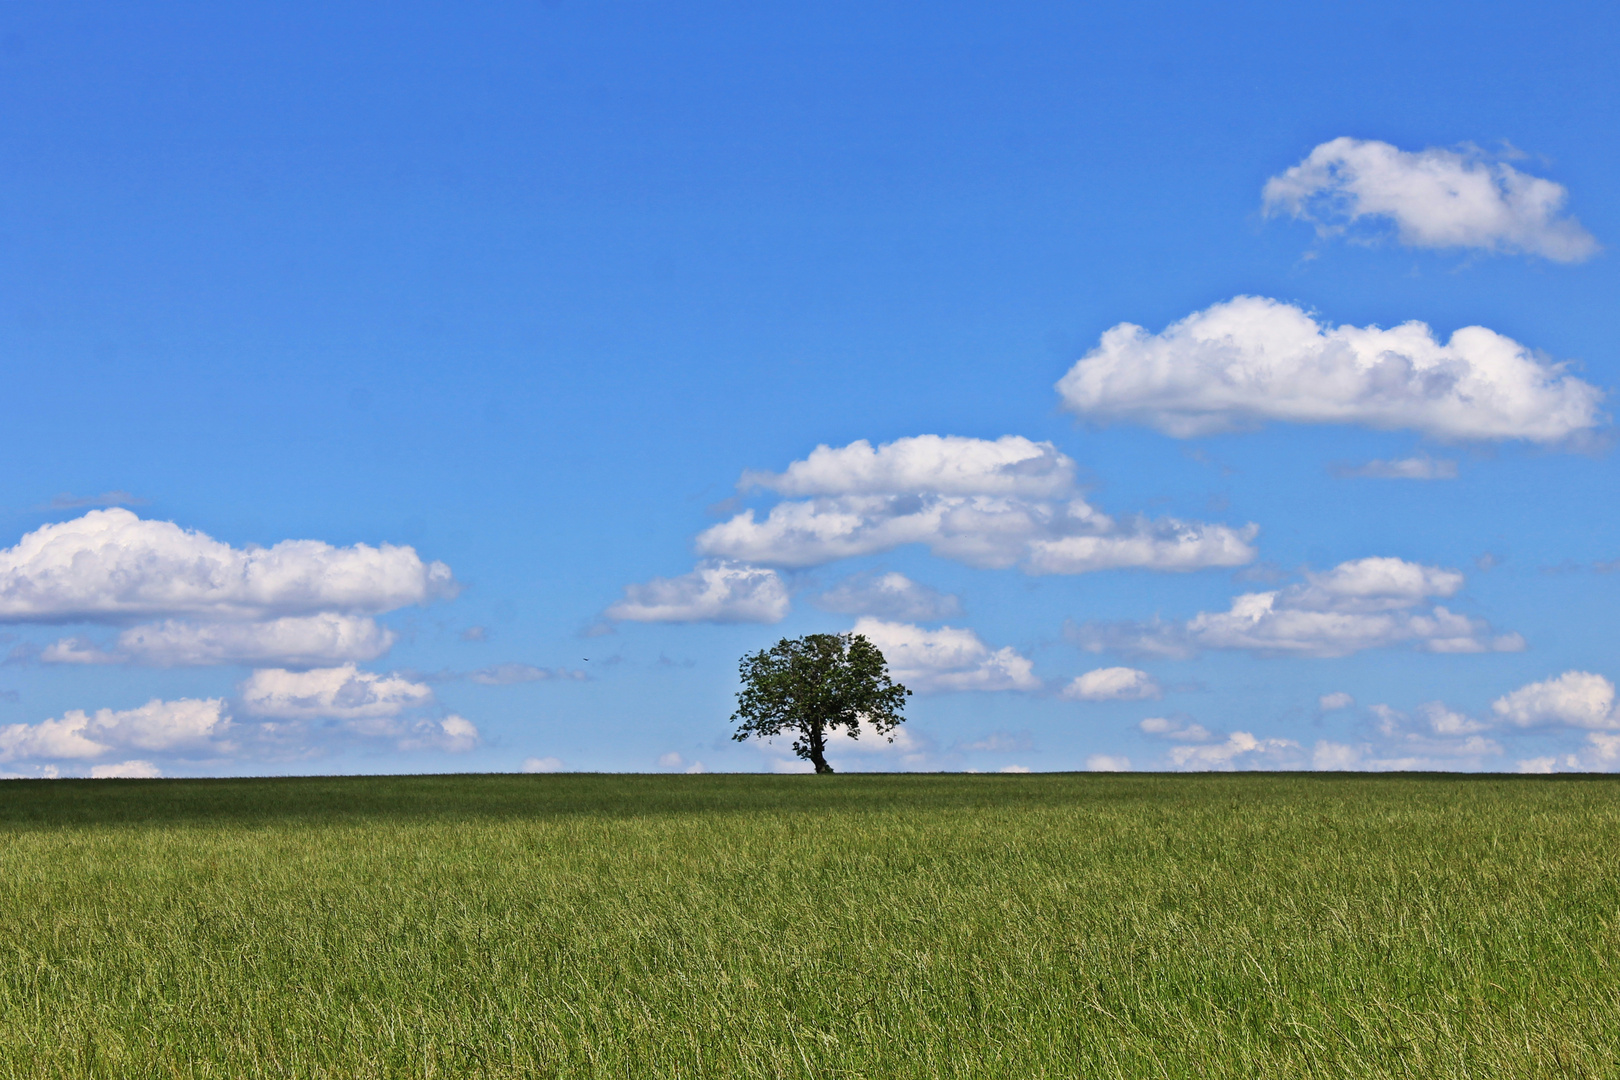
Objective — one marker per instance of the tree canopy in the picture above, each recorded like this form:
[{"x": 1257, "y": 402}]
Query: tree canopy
[{"x": 813, "y": 685}]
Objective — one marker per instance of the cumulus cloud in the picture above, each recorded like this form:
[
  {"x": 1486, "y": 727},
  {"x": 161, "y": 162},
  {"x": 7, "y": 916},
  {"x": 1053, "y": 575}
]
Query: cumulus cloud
[
  {"x": 1240, "y": 750},
  {"x": 1601, "y": 753},
  {"x": 298, "y": 639},
  {"x": 945, "y": 464},
  {"x": 452, "y": 734},
  {"x": 721, "y": 592},
  {"x": 342, "y": 693},
  {"x": 1412, "y": 468},
  {"x": 1434, "y": 198},
  {"x": 1433, "y": 738},
  {"x": 971, "y": 500},
  {"x": 888, "y": 596},
  {"x": 1243, "y": 362},
  {"x": 1199, "y": 749},
  {"x": 1113, "y": 684},
  {"x": 1176, "y": 729},
  {"x": 112, "y": 566},
  {"x": 542, "y": 765},
  {"x": 77, "y": 650},
  {"x": 904, "y": 749},
  {"x": 297, "y": 603},
  {"x": 1108, "y": 763},
  {"x": 947, "y": 659},
  {"x": 1358, "y": 605},
  {"x": 188, "y": 724},
  {"x": 1337, "y": 700},
  {"x": 1574, "y": 699},
  {"x": 1436, "y": 736}
]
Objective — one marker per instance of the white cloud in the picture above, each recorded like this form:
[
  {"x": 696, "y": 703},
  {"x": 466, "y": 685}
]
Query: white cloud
[
  {"x": 1445, "y": 721},
  {"x": 172, "y": 726},
  {"x": 342, "y": 693},
  {"x": 1013, "y": 769},
  {"x": 1329, "y": 756},
  {"x": 1113, "y": 684},
  {"x": 1435, "y": 738},
  {"x": 542, "y": 765},
  {"x": 722, "y": 592},
  {"x": 1600, "y": 754},
  {"x": 112, "y": 566},
  {"x": 888, "y": 596},
  {"x": 1358, "y": 605},
  {"x": 1337, "y": 700},
  {"x": 1108, "y": 763},
  {"x": 945, "y": 464},
  {"x": 1434, "y": 198},
  {"x": 126, "y": 770},
  {"x": 77, "y": 650},
  {"x": 912, "y": 749},
  {"x": 452, "y": 734},
  {"x": 907, "y": 750},
  {"x": 946, "y": 659},
  {"x": 1412, "y": 468},
  {"x": 1575, "y": 699},
  {"x": 988, "y": 515},
  {"x": 510, "y": 674},
  {"x": 294, "y": 639},
  {"x": 1176, "y": 729},
  {"x": 1245, "y": 361},
  {"x": 1371, "y": 585},
  {"x": 671, "y": 760},
  {"x": 1241, "y": 750}
]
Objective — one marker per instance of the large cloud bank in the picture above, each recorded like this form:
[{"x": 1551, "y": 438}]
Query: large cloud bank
[
  {"x": 1434, "y": 198},
  {"x": 171, "y": 726},
  {"x": 1433, "y": 736},
  {"x": 111, "y": 566},
  {"x": 1006, "y": 502},
  {"x": 299, "y": 602},
  {"x": 1240, "y": 363}
]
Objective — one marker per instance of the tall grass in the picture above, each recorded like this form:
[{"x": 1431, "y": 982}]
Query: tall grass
[{"x": 848, "y": 926}]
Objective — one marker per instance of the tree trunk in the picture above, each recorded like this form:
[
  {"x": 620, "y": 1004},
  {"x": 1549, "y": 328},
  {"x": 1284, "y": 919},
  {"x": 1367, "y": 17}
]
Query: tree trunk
[{"x": 817, "y": 745}]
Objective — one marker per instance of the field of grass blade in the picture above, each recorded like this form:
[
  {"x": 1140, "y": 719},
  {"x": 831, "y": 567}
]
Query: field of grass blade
[{"x": 850, "y": 926}]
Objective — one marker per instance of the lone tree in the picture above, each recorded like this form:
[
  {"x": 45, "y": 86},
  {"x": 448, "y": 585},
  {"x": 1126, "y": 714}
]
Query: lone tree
[{"x": 811, "y": 686}]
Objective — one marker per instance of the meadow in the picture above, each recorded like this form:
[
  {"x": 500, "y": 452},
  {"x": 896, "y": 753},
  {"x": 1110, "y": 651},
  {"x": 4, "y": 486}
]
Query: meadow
[{"x": 1051, "y": 925}]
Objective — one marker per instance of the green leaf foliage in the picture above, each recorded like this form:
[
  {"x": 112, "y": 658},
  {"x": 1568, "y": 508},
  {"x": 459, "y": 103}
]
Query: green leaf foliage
[{"x": 814, "y": 685}]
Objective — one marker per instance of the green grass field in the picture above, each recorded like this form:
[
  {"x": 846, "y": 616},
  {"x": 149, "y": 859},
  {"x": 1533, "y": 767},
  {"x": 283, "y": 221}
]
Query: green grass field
[{"x": 873, "y": 926}]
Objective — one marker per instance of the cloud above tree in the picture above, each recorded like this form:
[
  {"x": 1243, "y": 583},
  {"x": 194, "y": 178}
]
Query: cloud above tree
[{"x": 994, "y": 504}]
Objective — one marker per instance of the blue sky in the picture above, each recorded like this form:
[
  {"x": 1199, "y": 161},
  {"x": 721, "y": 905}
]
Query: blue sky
[{"x": 527, "y": 289}]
